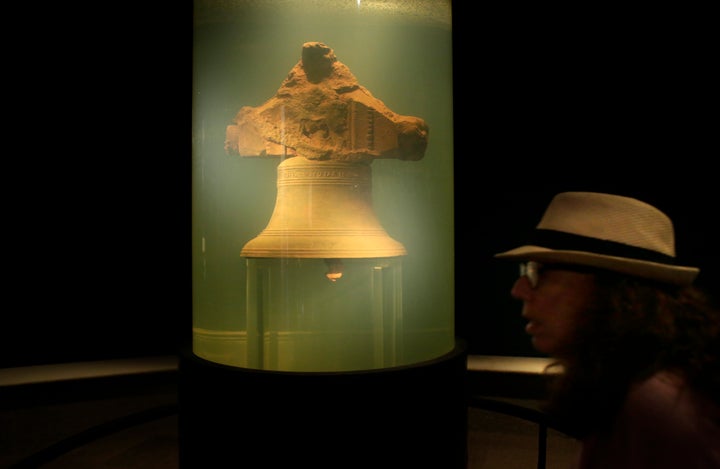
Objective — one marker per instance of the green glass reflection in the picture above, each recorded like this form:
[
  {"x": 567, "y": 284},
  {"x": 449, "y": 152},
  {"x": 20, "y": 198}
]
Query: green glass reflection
[{"x": 402, "y": 53}]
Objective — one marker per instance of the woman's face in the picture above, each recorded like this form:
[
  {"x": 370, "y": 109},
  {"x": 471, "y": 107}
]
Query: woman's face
[{"x": 555, "y": 306}]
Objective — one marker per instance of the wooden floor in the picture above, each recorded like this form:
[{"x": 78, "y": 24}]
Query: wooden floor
[
  {"x": 128, "y": 424},
  {"x": 495, "y": 441},
  {"x": 153, "y": 445}
]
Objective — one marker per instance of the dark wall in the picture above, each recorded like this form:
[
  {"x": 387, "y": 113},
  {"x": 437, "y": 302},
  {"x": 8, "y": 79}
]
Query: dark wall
[
  {"x": 548, "y": 101},
  {"x": 96, "y": 219}
]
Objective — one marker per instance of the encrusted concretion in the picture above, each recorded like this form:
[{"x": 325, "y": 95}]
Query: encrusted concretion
[{"x": 321, "y": 112}]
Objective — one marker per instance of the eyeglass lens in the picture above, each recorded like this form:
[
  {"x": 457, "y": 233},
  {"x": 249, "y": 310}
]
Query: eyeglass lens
[{"x": 531, "y": 270}]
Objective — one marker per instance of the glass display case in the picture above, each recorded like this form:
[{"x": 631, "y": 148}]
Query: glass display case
[
  {"x": 323, "y": 326},
  {"x": 301, "y": 173}
]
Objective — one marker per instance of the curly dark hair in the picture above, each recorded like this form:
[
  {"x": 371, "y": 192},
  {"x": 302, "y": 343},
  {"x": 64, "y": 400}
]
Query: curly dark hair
[{"x": 635, "y": 328}]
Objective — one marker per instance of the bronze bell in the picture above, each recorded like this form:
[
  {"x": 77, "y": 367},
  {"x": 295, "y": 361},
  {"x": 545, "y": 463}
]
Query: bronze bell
[
  {"x": 323, "y": 210},
  {"x": 327, "y": 129}
]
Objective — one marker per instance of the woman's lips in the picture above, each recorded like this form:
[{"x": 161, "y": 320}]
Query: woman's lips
[{"x": 533, "y": 327}]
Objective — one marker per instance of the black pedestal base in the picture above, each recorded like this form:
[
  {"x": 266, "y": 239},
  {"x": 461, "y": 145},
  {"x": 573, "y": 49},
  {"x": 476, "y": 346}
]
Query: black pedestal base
[{"x": 411, "y": 416}]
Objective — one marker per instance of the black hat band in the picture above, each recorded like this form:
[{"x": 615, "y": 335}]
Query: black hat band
[{"x": 561, "y": 240}]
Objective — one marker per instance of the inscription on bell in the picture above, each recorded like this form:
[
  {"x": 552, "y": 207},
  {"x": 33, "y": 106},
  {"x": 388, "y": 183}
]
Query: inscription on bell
[{"x": 324, "y": 174}]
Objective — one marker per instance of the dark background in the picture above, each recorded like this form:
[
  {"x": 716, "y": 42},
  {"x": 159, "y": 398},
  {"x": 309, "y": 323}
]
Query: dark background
[
  {"x": 549, "y": 100},
  {"x": 97, "y": 219}
]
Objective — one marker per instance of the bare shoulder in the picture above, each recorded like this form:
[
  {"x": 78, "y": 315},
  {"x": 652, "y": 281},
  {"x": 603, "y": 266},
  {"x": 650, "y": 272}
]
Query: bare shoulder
[
  {"x": 665, "y": 396},
  {"x": 665, "y": 410}
]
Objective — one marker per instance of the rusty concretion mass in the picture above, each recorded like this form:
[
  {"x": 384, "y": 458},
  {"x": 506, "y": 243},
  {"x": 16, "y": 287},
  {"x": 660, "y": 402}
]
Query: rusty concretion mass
[{"x": 321, "y": 112}]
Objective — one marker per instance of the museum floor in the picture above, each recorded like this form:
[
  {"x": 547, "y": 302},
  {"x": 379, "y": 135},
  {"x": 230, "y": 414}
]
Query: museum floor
[{"x": 134, "y": 429}]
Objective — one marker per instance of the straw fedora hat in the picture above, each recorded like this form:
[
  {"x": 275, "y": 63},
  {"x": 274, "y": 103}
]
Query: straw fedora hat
[{"x": 606, "y": 231}]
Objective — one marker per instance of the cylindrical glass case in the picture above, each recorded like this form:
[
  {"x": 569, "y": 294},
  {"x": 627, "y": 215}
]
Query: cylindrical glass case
[{"x": 323, "y": 230}]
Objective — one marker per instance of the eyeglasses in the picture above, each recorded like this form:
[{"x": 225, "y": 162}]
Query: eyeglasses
[{"x": 531, "y": 270}]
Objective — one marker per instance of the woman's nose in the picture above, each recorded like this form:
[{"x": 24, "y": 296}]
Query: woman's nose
[{"x": 521, "y": 289}]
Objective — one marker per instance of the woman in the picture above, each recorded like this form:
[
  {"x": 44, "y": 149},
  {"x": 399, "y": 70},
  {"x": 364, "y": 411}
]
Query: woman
[{"x": 637, "y": 344}]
